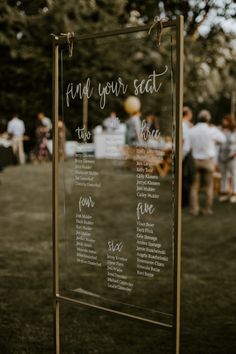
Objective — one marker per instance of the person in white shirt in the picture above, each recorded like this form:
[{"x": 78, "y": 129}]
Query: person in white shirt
[
  {"x": 203, "y": 140},
  {"x": 133, "y": 129},
  {"x": 16, "y": 130},
  {"x": 46, "y": 122},
  {"x": 112, "y": 122}
]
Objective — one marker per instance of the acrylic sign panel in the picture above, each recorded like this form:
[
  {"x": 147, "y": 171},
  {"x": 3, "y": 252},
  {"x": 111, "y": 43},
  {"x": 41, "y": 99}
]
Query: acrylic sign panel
[{"x": 118, "y": 180}]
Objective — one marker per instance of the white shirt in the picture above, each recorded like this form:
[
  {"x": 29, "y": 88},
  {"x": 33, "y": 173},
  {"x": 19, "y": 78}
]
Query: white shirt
[
  {"x": 133, "y": 125},
  {"x": 186, "y": 138},
  {"x": 203, "y": 140},
  {"x": 111, "y": 123},
  {"x": 47, "y": 123},
  {"x": 136, "y": 122},
  {"x": 16, "y": 127}
]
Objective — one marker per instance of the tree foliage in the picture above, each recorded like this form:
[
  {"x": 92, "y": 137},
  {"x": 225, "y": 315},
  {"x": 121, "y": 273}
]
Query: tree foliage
[{"x": 25, "y": 44}]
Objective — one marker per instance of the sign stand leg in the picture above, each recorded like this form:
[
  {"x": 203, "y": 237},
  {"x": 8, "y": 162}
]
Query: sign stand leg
[
  {"x": 55, "y": 107},
  {"x": 178, "y": 191}
]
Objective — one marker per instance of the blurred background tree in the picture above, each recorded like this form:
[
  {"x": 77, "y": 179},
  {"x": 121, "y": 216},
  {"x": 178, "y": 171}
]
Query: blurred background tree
[
  {"x": 25, "y": 28},
  {"x": 210, "y": 49}
]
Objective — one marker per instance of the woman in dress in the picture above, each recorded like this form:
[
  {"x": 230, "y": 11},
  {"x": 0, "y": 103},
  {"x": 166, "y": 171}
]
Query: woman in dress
[
  {"x": 61, "y": 139},
  {"x": 41, "y": 142},
  {"x": 227, "y": 160}
]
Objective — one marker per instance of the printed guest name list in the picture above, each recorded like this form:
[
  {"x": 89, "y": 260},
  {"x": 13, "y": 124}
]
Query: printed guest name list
[{"x": 151, "y": 257}]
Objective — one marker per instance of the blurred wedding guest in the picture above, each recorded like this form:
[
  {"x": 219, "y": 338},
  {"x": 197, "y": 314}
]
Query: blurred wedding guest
[
  {"x": 152, "y": 123},
  {"x": 112, "y": 122},
  {"x": 227, "y": 160},
  {"x": 203, "y": 139},
  {"x": 46, "y": 122},
  {"x": 188, "y": 164},
  {"x": 133, "y": 129},
  {"x": 187, "y": 125},
  {"x": 3, "y": 125},
  {"x": 132, "y": 106},
  {"x": 16, "y": 130},
  {"x": 150, "y": 128},
  {"x": 41, "y": 152},
  {"x": 61, "y": 139}
]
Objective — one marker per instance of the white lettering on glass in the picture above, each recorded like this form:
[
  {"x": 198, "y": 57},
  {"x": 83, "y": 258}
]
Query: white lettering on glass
[
  {"x": 87, "y": 202},
  {"x": 115, "y": 246},
  {"x": 83, "y": 134},
  {"x": 144, "y": 208}
]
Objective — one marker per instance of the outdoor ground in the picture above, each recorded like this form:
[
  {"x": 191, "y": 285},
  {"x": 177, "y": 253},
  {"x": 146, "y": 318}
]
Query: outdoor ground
[{"x": 208, "y": 283}]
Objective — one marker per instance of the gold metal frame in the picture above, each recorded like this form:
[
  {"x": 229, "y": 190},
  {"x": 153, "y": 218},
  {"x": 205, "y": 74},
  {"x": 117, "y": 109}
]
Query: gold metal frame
[{"x": 178, "y": 24}]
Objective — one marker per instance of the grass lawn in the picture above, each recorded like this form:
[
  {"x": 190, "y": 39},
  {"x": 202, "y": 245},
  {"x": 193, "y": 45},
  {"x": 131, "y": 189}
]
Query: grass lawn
[{"x": 208, "y": 282}]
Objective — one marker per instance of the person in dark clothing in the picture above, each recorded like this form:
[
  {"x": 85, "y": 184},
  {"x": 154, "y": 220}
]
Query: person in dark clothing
[{"x": 188, "y": 164}]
